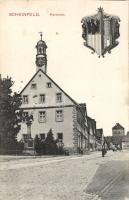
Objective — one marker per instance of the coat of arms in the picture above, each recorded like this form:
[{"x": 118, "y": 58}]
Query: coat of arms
[{"x": 100, "y": 32}]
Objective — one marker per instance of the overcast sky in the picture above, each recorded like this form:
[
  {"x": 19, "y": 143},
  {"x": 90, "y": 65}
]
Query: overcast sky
[{"x": 101, "y": 83}]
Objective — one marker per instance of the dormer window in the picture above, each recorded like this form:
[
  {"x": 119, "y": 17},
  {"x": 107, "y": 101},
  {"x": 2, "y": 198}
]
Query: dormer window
[
  {"x": 33, "y": 86},
  {"x": 49, "y": 84}
]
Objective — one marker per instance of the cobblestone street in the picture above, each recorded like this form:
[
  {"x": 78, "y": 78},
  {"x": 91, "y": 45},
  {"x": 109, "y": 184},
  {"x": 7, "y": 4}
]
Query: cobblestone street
[{"x": 84, "y": 177}]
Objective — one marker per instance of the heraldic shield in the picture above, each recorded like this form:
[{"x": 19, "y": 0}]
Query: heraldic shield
[{"x": 100, "y": 32}]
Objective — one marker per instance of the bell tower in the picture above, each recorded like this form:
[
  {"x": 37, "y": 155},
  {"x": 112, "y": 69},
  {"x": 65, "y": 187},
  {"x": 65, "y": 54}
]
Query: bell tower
[{"x": 41, "y": 57}]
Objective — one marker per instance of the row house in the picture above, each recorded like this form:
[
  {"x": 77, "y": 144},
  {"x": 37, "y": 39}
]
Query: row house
[
  {"x": 92, "y": 133},
  {"x": 125, "y": 141}
]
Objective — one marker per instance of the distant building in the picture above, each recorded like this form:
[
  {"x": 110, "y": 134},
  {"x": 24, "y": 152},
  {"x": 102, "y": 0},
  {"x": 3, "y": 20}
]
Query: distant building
[
  {"x": 127, "y": 133},
  {"x": 118, "y": 130},
  {"x": 125, "y": 141}
]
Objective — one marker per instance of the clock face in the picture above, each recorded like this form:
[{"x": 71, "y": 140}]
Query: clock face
[{"x": 40, "y": 61}]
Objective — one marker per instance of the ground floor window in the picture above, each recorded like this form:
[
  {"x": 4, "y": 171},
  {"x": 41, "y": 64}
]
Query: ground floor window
[
  {"x": 60, "y": 136},
  {"x": 42, "y": 116},
  {"x": 30, "y": 143},
  {"x": 42, "y": 136},
  {"x": 91, "y": 146}
]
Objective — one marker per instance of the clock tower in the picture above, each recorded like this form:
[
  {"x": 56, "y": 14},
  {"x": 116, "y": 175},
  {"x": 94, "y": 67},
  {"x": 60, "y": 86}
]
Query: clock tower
[{"x": 41, "y": 57}]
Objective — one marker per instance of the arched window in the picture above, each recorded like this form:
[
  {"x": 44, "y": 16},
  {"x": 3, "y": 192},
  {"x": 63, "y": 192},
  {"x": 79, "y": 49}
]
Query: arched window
[{"x": 40, "y": 50}]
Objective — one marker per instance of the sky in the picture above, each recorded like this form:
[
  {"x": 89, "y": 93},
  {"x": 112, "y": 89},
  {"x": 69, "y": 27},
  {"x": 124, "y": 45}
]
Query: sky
[{"x": 101, "y": 83}]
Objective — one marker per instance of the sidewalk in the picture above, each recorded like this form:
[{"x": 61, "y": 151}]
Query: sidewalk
[
  {"x": 6, "y": 158},
  {"x": 13, "y": 157},
  {"x": 16, "y": 162},
  {"x": 22, "y": 162}
]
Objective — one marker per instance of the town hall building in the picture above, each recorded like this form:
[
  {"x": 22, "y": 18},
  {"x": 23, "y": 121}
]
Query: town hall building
[{"x": 52, "y": 108}]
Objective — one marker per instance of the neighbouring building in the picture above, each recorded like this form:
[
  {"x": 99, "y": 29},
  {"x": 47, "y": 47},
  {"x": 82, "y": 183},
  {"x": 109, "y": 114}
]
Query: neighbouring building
[
  {"x": 92, "y": 133},
  {"x": 52, "y": 108},
  {"x": 125, "y": 141}
]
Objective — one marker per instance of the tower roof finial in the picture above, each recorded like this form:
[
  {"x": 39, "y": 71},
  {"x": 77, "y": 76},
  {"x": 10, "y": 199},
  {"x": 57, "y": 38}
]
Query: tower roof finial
[
  {"x": 100, "y": 9},
  {"x": 41, "y": 35}
]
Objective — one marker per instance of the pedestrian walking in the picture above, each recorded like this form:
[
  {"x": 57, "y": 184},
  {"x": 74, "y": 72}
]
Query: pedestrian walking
[{"x": 103, "y": 152}]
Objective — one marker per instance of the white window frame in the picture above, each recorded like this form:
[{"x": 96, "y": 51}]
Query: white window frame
[
  {"x": 42, "y": 116},
  {"x": 59, "y": 116}
]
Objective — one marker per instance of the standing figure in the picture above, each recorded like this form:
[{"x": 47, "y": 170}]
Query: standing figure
[{"x": 103, "y": 151}]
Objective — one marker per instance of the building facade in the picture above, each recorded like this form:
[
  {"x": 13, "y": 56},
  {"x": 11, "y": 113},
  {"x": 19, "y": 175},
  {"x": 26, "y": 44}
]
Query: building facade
[
  {"x": 51, "y": 108},
  {"x": 125, "y": 141},
  {"x": 118, "y": 133},
  {"x": 92, "y": 133},
  {"x": 118, "y": 130}
]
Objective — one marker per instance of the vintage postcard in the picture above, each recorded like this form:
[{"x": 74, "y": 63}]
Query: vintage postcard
[{"x": 64, "y": 100}]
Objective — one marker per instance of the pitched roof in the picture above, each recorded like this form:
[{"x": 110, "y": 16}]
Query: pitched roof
[
  {"x": 118, "y": 126},
  {"x": 91, "y": 119},
  {"x": 54, "y": 83},
  {"x": 78, "y": 105}
]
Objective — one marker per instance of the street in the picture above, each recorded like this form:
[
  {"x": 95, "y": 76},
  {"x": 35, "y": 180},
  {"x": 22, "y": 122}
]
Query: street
[{"x": 86, "y": 177}]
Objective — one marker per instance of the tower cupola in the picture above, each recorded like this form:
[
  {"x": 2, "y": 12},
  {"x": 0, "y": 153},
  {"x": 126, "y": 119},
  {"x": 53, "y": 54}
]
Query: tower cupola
[{"x": 41, "y": 57}]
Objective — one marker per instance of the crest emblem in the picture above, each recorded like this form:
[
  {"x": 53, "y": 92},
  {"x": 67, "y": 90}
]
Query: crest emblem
[{"x": 100, "y": 32}]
